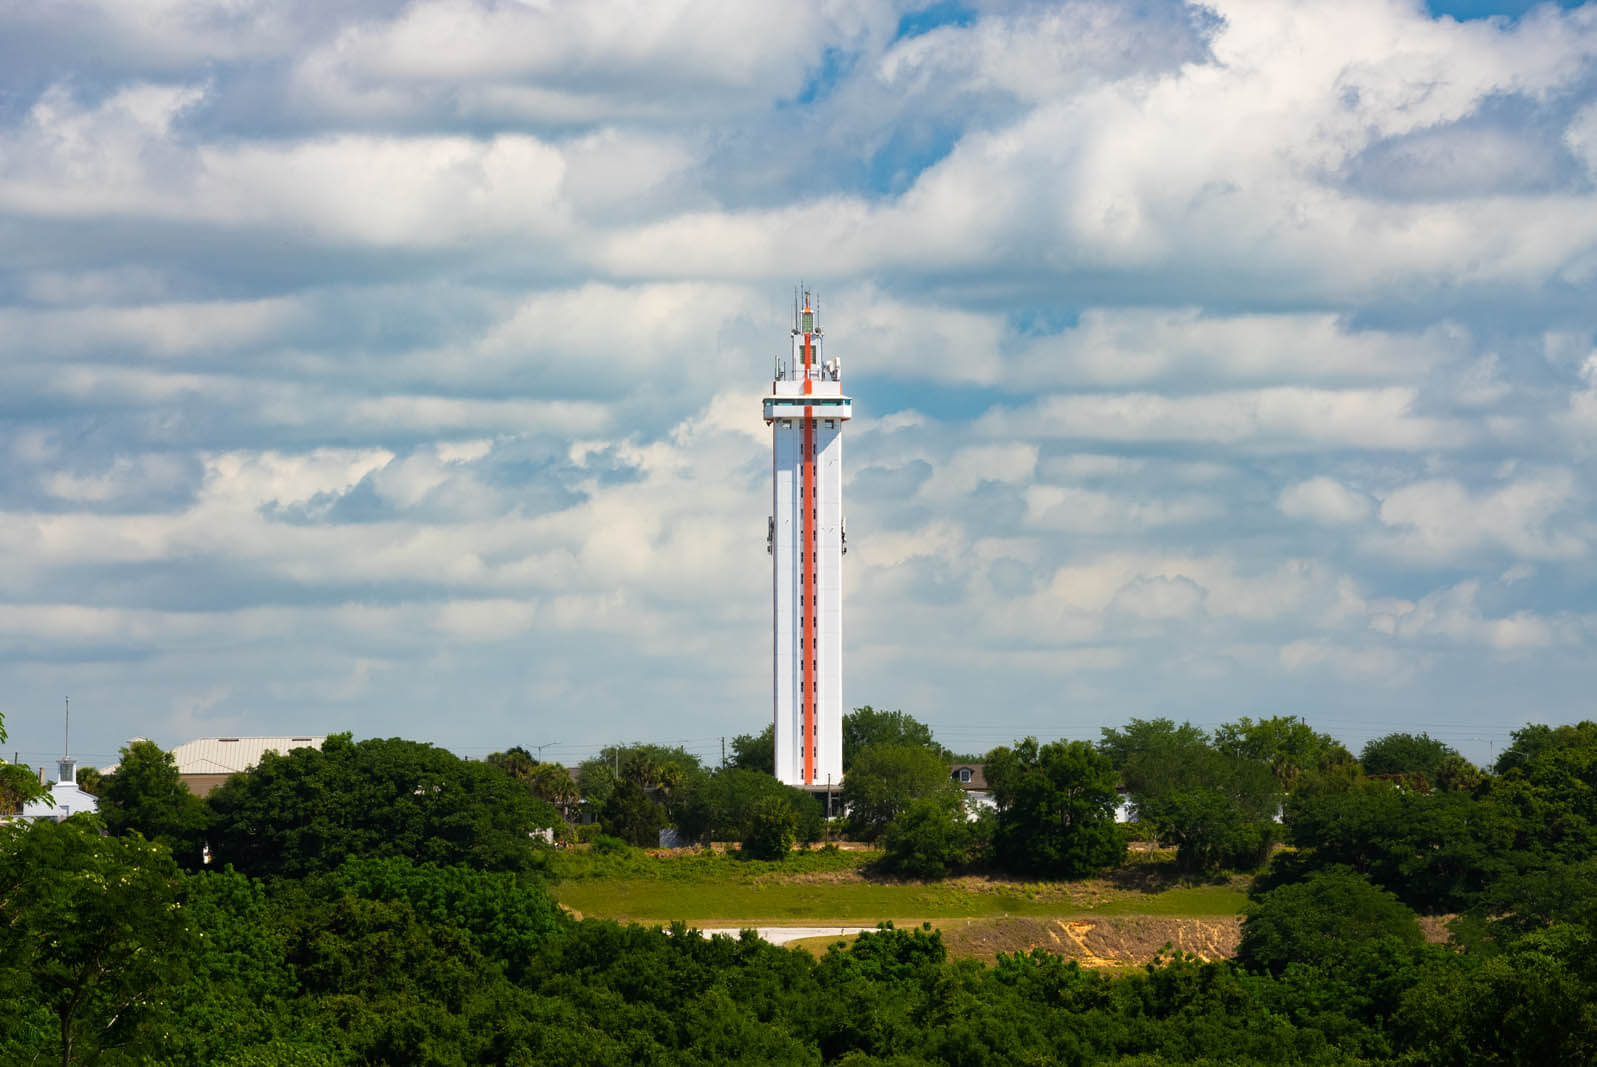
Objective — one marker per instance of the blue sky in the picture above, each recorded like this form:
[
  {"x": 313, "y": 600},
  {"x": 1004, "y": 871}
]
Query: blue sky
[{"x": 396, "y": 369}]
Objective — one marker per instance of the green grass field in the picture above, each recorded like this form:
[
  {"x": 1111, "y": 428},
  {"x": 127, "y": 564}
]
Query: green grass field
[{"x": 834, "y": 887}]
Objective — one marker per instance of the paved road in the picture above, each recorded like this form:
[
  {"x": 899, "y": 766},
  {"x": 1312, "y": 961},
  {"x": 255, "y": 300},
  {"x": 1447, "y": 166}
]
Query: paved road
[{"x": 781, "y": 935}]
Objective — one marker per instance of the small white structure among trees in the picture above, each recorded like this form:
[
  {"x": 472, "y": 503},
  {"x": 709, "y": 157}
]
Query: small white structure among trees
[{"x": 64, "y": 797}]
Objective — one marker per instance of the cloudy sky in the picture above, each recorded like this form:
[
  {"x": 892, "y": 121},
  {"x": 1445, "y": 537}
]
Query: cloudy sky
[{"x": 396, "y": 368}]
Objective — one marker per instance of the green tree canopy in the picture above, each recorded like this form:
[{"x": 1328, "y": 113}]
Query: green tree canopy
[
  {"x": 755, "y": 752},
  {"x": 647, "y": 765},
  {"x": 634, "y": 816},
  {"x": 930, "y": 838},
  {"x": 91, "y": 781},
  {"x": 1537, "y": 740},
  {"x": 146, "y": 794},
  {"x": 772, "y": 829},
  {"x": 506, "y": 917},
  {"x": 719, "y": 806},
  {"x": 549, "y": 782},
  {"x": 1056, "y": 808},
  {"x": 311, "y": 810},
  {"x": 866, "y": 726},
  {"x": 18, "y": 783},
  {"x": 1402, "y": 753},
  {"x": 1435, "y": 851},
  {"x": 1149, "y": 739},
  {"x": 884, "y": 780},
  {"x": 1320, "y": 920},
  {"x": 1218, "y": 808},
  {"x": 94, "y": 924},
  {"x": 514, "y": 761},
  {"x": 1290, "y": 746}
]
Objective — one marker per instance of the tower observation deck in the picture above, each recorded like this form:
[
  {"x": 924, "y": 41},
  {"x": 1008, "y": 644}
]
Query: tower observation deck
[{"x": 806, "y": 410}]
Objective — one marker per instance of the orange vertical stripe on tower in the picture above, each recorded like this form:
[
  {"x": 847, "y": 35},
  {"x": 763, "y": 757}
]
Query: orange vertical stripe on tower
[{"x": 808, "y": 505}]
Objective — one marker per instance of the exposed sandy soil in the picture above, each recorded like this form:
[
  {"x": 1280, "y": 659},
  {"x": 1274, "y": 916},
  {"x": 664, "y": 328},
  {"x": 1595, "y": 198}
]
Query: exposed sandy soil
[
  {"x": 1127, "y": 941},
  {"x": 1111, "y": 942}
]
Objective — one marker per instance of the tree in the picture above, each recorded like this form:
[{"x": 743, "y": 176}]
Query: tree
[
  {"x": 1218, "y": 808},
  {"x": 1142, "y": 737},
  {"x": 553, "y": 784},
  {"x": 1458, "y": 774},
  {"x": 929, "y": 838},
  {"x": 18, "y": 783},
  {"x": 506, "y": 917},
  {"x": 866, "y": 726},
  {"x": 1289, "y": 745},
  {"x": 514, "y": 761},
  {"x": 310, "y": 810},
  {"x": 1529, "y": 1003},
  {"x": 756, "y": 752},
  {"x": 596, "y": 780},
  {"x": 1548, "y": 781},
  {"x": 719, "y": 806},
  {"x": 1400, "y": 753},
  {"x": 1435, "y": 851},
  {"x": 1056, "y": 808},
  {"x": 640, "y": 763},
  {"x": 771, "y": 830},
  {"x": 1536, "y": 741},
  {"x": 94, "y": 923},
  {"x": 884, "y": 780},
  {"x": 632, "y": 815},
  {"x": 1320, "y": 920},
  {"x": 1557, "y": 893},
  {"x": 146, "y": 794},
  {"x": 549, "y": 782}
]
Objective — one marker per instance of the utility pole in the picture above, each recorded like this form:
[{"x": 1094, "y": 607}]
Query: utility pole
[{"x": 723, "y": 750}]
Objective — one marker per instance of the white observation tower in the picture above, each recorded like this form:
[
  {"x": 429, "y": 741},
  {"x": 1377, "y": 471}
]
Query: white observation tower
[{"x": 806, "y": 410}]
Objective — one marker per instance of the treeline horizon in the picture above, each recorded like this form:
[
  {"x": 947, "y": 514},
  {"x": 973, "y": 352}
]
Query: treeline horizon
[{"x": 385, "y": 901}]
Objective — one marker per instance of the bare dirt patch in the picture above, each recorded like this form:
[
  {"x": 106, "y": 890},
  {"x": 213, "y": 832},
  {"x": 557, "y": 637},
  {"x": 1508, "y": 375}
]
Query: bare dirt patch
[
  {"x": 1434, "y": 927},
  {"x": 1126, "y": 941}
]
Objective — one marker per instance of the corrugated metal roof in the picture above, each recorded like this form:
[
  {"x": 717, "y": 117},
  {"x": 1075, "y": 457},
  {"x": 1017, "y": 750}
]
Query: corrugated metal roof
[{"x": 226, "y": 755}]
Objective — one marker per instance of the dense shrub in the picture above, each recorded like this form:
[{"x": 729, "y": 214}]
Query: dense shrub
[{"x": 771, "y": 830}]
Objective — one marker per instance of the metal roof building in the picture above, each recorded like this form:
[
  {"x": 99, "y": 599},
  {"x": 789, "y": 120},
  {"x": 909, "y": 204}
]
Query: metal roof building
[{"x": 207, "y": 762}]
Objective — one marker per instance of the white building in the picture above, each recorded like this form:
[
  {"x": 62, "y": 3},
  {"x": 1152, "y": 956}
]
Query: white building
[
  {"x": 65, "y": 796},
  {"x": 806, "y": 410}
]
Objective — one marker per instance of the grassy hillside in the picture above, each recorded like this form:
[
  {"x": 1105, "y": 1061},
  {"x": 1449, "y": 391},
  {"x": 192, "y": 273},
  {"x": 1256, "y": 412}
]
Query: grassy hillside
[{"x": 837, "y": 887}]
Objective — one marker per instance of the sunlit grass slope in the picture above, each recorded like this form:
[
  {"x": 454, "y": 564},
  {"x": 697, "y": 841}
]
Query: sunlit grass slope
[{"x": 828, "y": 887}]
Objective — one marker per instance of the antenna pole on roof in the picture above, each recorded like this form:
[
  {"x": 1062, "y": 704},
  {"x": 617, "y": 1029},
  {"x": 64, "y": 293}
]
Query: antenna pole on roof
[{"x": 66, "y": 737}]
